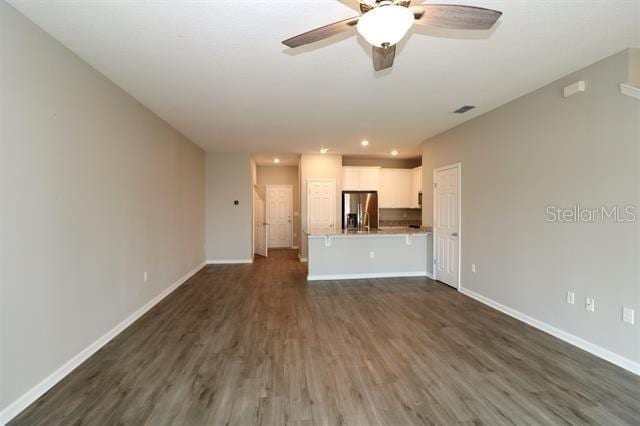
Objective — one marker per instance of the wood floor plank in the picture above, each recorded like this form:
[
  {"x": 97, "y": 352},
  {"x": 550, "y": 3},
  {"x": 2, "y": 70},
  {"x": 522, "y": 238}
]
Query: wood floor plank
[{"x": 258, "y": 344}]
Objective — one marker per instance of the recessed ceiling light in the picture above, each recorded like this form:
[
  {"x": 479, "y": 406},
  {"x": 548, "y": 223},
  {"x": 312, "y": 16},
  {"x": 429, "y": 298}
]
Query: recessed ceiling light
[
  {"x": 364, "y": 143},
  {"x": 324, "y": 150},
  {"x": 394, "y": 152},
  {"x": 276, "y": 161}
]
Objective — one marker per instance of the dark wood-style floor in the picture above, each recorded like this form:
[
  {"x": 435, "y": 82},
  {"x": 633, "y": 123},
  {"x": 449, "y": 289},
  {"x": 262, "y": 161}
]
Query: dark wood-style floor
[{"x": 257, "y": 344}]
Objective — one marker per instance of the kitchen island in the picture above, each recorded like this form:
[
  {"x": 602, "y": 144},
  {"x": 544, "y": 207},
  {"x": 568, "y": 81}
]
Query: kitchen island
[{"x": 377, "y": 253}]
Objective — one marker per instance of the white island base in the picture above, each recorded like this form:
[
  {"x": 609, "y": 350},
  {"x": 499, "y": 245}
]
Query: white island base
[{"x": 378, "y": 254}]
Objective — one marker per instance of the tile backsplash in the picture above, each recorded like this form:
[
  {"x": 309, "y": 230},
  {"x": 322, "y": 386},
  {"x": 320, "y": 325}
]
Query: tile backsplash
[{"x": 400, "y": 217}]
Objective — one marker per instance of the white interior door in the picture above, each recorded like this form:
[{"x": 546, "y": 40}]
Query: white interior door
[
  {"x": 446, "y": 204},
  {"x": 260, "y": 224},
  {"x": 279, "y": 215},
  {"x": 321, "y": 205}
]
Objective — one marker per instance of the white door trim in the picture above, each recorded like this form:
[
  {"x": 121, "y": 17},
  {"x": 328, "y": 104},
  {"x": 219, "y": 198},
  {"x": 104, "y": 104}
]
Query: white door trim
[
  {"x": 335, "y": 193},
  {"x": 266, "y": 212},
  {"x": 457, "y": 166},
  {"x": 260, "y": 229}
]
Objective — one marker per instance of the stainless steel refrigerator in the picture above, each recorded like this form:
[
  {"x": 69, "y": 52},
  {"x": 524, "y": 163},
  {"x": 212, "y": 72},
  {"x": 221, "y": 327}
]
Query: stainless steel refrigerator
[{"x": 359, "y": 210}]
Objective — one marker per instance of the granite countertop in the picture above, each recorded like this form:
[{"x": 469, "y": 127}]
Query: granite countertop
[{"x": 401, "y": 230}]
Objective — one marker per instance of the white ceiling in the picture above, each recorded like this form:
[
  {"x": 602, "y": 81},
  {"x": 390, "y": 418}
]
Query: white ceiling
[{"x": 217, "y": 72}]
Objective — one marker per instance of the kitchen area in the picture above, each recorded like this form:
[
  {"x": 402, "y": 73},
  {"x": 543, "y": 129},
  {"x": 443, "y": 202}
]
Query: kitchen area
[{"x": 380, "y": 233}]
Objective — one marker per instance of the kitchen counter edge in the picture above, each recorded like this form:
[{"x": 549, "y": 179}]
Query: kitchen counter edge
[{"x": 380, "y": 232}]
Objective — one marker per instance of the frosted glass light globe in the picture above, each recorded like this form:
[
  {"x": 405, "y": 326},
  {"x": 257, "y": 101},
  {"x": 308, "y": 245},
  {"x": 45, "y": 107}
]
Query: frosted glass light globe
[{"x": 385, "y": 24}]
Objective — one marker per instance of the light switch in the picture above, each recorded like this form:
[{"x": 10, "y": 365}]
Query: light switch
[
  {"x": 628, "y": 315},
  {"x": 571, "y": 297}
]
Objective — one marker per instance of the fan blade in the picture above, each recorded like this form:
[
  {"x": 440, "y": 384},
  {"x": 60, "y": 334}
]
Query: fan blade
[
  {"x": 321, "y": 33},
  {"x": 383, "y": 57},
  {"x": 456, "y": 17}
]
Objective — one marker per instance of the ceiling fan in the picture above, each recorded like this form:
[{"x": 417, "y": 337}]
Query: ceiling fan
[{"x": 384, "y": 23}]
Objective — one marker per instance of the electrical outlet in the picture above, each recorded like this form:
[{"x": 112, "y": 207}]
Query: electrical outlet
[
  {"x": 571, "y": 298},
  {"x": 372, "y": 255},
  {"x": 628, "y": 315},
  {"x": 473, "y": 268},
  {"x": 590, "y": 304},
  {"x": 145, "y": 276}
]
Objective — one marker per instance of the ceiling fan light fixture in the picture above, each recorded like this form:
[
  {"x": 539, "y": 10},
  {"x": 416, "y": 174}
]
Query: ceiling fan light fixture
[{"x": 385, "y": 25}]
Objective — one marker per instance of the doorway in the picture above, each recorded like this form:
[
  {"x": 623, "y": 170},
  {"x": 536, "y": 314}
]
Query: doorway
[
  {"x": 446, "y": 224},
  {"x": 280, "y": 215}
]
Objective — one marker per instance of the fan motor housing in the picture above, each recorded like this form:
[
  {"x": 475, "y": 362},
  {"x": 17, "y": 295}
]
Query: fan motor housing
[{"x": 364, "y": 7}]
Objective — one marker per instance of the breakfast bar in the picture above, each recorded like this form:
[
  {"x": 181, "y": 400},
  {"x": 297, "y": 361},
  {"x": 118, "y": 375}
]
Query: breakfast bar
[{"x": 375, "y": 253}]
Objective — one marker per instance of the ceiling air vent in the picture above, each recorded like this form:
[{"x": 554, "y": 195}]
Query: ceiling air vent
[{"x": 464, "y": 109}]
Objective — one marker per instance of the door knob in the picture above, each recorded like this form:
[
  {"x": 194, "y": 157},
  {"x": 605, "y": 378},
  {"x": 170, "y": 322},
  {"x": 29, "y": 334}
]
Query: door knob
[{"x": 454, "y": 234}]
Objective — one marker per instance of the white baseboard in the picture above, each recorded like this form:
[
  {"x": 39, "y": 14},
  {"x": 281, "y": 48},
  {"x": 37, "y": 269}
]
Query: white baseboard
[
  {"x": 367, "y": 275},
  {"x": 428, "y": 275},
  {"x": 228, "y": 261},
  {"x": 38, "y": 390},
  {"x": 585, "y": 345},
  {"x": 630, "y": 90}
]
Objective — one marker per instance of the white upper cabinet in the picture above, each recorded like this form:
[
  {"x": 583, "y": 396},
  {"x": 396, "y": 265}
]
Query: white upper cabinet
[
  {"x": 350, "y": 178},
  {"x": 386, "y": 193},
  {"x": 369, "y": 178},
  {"x": 395, "y": 188},
  {"x": 416, "y": 186},
  {"x": 360, "y": 178}
]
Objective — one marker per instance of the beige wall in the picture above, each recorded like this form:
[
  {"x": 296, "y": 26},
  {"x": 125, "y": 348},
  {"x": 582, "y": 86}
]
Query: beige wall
[
  {"x": 95, "y": 190},
  {"x": 318, "y": 166},
  {"x": 284, "y": 175},
  {"x": 229, "y": 226},
  {"x": 544, "y": 149}
]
